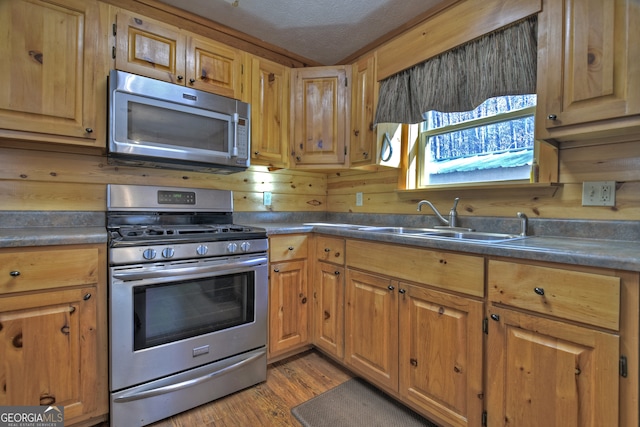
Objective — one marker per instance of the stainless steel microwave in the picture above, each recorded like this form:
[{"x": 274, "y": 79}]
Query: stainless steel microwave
[{"x": 164, "y": 125}]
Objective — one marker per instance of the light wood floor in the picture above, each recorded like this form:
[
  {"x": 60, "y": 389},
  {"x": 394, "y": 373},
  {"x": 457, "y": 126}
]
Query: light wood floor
[{"x": 289, "y": 383}]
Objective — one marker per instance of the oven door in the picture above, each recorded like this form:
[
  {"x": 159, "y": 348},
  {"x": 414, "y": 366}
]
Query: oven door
[{"x": 171, "y": 317}]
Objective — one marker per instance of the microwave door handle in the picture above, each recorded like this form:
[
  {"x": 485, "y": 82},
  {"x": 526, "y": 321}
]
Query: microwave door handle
[{"x": 234, "y": 150}]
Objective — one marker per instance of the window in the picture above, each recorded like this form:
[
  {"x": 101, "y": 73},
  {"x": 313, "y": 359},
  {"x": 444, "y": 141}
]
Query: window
[{"x": 494, "y": 142}]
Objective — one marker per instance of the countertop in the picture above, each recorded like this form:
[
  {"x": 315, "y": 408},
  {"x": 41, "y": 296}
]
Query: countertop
[
  {"x": 19, "y": 230},
  {"x": 614, "y": 254}
]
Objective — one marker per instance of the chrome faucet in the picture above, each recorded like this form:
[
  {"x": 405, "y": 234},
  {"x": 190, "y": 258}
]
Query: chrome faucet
[
  {"x": 453, "y": 214},
  {"x": 524, "y": 223}
]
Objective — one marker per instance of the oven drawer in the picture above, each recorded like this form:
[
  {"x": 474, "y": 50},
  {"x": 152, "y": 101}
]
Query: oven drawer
[
  {"x": 287, "y": 247},
  {"x": 29, "y": 269}
]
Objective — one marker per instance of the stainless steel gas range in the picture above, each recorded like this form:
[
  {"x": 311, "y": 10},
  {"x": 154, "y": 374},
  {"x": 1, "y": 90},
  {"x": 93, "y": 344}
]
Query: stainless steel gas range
[{"x": 187, "y": 301}]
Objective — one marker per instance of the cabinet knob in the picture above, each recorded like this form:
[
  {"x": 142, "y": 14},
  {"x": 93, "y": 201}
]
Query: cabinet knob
[
  {"x": 402, "y": 291},
  {"x": 327, "y": 249},
  {"x": 192, "y": 81},
  {"x": 356, "y": 132},
  {"x": 180, "y": 78},
  {"x": 365, "y": 154},
  {"x": 89, "y": 130},
  {"x": 495, "y": 317},
  {"x": 303, "y": 300},
  {"x": 256, "y": 153},
  {"x": 14, "y": 273},
  {"x": 539, "y": 291},
  {"x": 290, "y": 248},
  {"x": 337, "y": 273},
  {"x": 86, "y": 297},
  {"x": 276, "y": 270},
  {"x": 552, "y": 117},
  {"x": 391, "y": 287}
]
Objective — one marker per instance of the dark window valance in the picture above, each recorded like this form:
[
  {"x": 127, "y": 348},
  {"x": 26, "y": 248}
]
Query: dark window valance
[{"x": 500, "y": 63}]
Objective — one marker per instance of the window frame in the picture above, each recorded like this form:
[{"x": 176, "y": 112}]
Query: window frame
[{"x": 424, "y": 135}]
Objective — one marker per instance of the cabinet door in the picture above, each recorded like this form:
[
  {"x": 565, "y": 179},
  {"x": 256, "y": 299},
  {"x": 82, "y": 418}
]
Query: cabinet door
[
  {"x": 150, "y": 48},
  {"x": 49, "y": 54},
  {"x": 328, "y": 296},
  {"x": 288, "y": 308},
  {"x": 441, "y": 354},
  {"x": 269, "y": 112},
  {"x": 48, "y": 350},
  {"x": 363, "y": 98},
  {"x": 320, "y": 103},
  {"x": 588, "y": 63},
  {"x": 214, "y": 67},
  {"x": 371, "y": 327},
  {"x": 542, "y": 372}
]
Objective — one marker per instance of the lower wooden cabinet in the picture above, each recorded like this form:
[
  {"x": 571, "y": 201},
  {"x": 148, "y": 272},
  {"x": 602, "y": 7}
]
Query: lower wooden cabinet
[
  {"x": 548, "y": 373},
  {"x": 421, "y": 344},
  {"x": 441, "y": 354},
  {"x": 371, "y": 327},
  {"x": 53, "y": 340},
  {"x": 289, "y": 304},
  {"x": 328, "y": 309}
]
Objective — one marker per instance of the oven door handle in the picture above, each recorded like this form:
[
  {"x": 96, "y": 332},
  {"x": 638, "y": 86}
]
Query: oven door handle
[
  {"x": 189, "y": 383},
  {"x": 151, "y": 273}
]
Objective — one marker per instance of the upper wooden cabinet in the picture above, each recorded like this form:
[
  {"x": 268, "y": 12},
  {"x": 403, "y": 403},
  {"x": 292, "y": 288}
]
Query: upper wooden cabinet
[
  {"x": 270, "y": 92},
  {"x": 320, "y": 103},
  {"x": 364, "y": 97},
  {"x": 164, "y": 52},
  {"x": 51, "y": 81},
  {"x": 588, "y": 65}
]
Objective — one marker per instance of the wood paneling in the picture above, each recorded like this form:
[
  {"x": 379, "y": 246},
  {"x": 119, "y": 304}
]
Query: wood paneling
[
  {"x": 38, "y": 180},
  {"x": 611, "y": 162}
]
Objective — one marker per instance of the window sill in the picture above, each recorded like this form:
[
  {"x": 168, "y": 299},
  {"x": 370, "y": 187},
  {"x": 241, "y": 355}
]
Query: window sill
[{"x": 520, "y": 187}]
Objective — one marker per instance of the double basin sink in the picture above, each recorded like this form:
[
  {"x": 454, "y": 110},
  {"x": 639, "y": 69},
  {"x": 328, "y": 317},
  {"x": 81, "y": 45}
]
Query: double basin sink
[{"x": 459, "y": 234}]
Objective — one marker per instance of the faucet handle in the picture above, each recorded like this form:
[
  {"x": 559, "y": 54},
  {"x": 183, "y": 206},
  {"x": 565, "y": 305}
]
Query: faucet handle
[{"x": 455, "y": 203}]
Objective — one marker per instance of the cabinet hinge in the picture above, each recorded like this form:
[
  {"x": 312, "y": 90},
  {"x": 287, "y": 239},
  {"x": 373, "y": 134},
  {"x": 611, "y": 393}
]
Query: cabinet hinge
[
  {"x": 113, "y": 52},
  {"x": 346, "y": 82},
  {"x": 485, "y": 325},
  {"x": 345, "y": 150},
  {"x": 114, "y": 28},
  {"x": 484, "y": 418},
  {"x": 623, "y": 366}
]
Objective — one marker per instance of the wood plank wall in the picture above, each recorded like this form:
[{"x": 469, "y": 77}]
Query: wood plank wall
[
  {"x": 618, "y": 162},
  {"x": 41, "y": 181}
]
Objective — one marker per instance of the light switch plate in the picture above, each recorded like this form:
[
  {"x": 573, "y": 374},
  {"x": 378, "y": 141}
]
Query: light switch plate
[
  {"x": 599, "y": 193},
  {"x": 358, "y": 199},
  {"x": 266, "y": 198}
]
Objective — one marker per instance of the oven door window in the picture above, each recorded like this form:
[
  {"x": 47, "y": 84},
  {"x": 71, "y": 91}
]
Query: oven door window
[{"x": 179, "y": 310}]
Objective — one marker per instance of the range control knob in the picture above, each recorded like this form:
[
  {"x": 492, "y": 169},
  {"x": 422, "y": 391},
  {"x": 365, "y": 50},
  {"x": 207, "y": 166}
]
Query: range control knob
[
  {"x": 168, "y": 253},
  {"x": 149, "y": 254},
  {"x": 245, "y": 246},
  {"x": 232, "y": 247},
  {"x": 202, "y": 250}
]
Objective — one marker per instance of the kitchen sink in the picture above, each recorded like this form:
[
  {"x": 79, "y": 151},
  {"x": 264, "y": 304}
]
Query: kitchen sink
[
  {"x": 398, "y": 230},
  {"x": 475, "y": 236},
  {"x": 470, "y": 236}
]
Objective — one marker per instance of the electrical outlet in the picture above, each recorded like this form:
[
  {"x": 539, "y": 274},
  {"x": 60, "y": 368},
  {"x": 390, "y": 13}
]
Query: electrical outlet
[
  {"x": 599, "y": 193},
  {"x": 266, "y": 198},
  {"x": 358, "y": 199}
]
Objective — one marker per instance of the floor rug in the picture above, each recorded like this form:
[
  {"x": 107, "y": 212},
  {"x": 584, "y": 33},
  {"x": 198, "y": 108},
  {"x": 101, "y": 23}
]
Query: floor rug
[{"x": 353, "y": 404}]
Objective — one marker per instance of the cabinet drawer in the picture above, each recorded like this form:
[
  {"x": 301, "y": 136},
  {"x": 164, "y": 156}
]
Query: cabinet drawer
[
  {"x": 33, "y": 269},
  {"x": 445, "y": 270},
  {"x": 287, "y": 247},
  {"x": 330, "y": 249},
  {"x": 588, "y": 298}
]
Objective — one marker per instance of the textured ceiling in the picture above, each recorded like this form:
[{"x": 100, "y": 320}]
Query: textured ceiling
[{"x": 325, "y": 31}]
